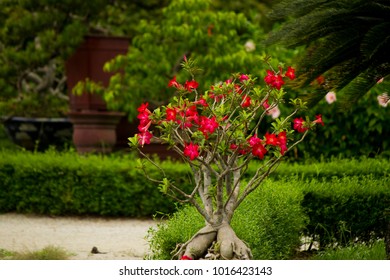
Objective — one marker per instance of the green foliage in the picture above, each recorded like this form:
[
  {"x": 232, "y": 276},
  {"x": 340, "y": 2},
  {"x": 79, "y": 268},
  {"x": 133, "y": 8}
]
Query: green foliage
[
  {"x": 322, "y": 169},
  {"x": 67, "y": 184},
  {"x": 272, "y": 229},
  {"x": 47, "y": 253},
  {"x": 35, "y": 34},
  {"x": 375, "y": 251},
  {"x": 216, "y": 38},
  {"x": 358, "y": 132},
  {"x": 348, "y": 42},
  {"x": 346, "y": 209},
  {"x": 338, "y": 201}
]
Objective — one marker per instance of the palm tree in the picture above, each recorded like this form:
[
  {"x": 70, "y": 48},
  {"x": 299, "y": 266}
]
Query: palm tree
[{"x": 347, "y": 42}]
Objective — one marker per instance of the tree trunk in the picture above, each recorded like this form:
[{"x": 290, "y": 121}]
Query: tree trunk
[{"x": 215, "y": 242}]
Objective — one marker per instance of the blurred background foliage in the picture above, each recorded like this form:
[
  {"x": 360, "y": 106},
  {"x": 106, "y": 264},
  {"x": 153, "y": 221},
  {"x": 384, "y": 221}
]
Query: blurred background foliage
[{"x": 34, "y": 34}]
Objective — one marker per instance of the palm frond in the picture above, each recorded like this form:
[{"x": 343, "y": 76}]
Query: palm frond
[{"x": 346, "y": 40}]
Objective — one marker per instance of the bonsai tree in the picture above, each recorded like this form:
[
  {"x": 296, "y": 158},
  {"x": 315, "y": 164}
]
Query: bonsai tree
[
  {"x": 347, "y": 43},
  {"x": 223, "y": 41},
  {"x": 218, "y": 132}
]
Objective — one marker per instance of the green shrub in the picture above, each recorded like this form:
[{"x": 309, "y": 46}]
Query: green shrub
[
  {"x": 375, "y": 251},
  {"x": 47, "y": 253},
  {"x": 346, "y": 209},
  {"x": 68, "y": 184},
  {"x": 334, "y": 167},
  {"x": 270, "y": 221}
]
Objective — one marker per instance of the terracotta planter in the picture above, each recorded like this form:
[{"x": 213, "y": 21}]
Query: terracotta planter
[
  {"x": 88, "y": 62},
  {"x": 94, "y": 126},
  {"x": 94, "y": 131}
]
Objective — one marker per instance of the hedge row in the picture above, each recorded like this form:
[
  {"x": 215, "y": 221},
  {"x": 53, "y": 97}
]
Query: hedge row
[
  {"x": 339, "y": 196},
  {"x": 67, "y": 184},
  {"x": 347, "y": 209}
]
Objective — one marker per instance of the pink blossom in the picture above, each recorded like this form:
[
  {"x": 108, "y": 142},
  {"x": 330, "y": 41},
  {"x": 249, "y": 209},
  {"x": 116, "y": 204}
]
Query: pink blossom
[
  {"x": 274, "y": 112},
  {"x": 330, "y": 97},
  {"x": 383, "y": 99},
  {"x": 250, "y": 46}
]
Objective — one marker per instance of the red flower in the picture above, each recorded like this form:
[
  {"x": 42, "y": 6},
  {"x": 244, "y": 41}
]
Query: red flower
[
  {"x": 259, "y": 150},
  {"x": 202, "y": 102},
  {"x": 254, "y": 140},
  {"x": 282, "y": 138},
  {"x": 290, "y": 73},
  {"x": 233, "y": 146},
  {"x": 246, "y": 101},
  {"x": 191, "y": 151},
  {"x": 191, "y": 85},
  {"x": 142, "y": 127},
  {"x": 274, "y": 80},
  {"x": 191, "y": 116},
  {"x": 271, "y": 139},
  {"x": 143, "y": 116},
  {"x": 278, "y": 82},
  {"x": 144, "y": 138},
  {"x": 173, "y": 83},
  {"x": 186, "y": 258},
  {"x": 208, "y": 125},
  {"x": 143, "y": 108},
  {"x": 299, "y": 125},
  {"x": 265, "y": 104},
  {"x": 171, "y": 114},
  {"x": 319, "y": 120},
  {"x": 283, "y": 148},
  {"x": 244, "y": 77},
  {"x": 320, "y": 80}
]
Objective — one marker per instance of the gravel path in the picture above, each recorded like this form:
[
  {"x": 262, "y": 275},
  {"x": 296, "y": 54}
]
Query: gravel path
[{"x": 118, "y": 238}]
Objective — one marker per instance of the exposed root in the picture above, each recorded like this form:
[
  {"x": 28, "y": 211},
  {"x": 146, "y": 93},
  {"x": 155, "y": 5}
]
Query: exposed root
[
  {"x": 215, "y": 243},
  {"x": 231, "y": 247},
  {"x": 197, "y": 246}
]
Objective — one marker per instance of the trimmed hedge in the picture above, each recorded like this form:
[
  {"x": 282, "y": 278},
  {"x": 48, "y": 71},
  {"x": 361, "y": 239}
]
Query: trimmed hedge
[
  {"x": 347, "y": 209},
  {"x": 343, "y": 199},
  {"x": 68, "y": 184}
]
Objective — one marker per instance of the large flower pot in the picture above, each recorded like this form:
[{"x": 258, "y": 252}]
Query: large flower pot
[
  {"x": 94, "y": 126},
  {"x": 94, "y": 131},
  {"x": 38, "y": 133},
  {"x": 87, "y": 62}
]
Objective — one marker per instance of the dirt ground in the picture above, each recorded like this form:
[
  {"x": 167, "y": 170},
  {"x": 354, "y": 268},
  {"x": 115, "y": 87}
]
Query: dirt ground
[{"x": 116, "y": 238}]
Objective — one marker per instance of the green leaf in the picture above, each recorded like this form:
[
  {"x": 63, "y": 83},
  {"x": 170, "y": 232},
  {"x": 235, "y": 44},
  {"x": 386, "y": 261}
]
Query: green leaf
[{"x": 164, "y": 186}]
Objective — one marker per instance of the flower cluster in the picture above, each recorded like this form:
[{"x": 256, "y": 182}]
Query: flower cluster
[
  {"x": 225, "y": 119},
  {"x": 276, "y": 79},
  {"x": 144, "y": 135}
]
